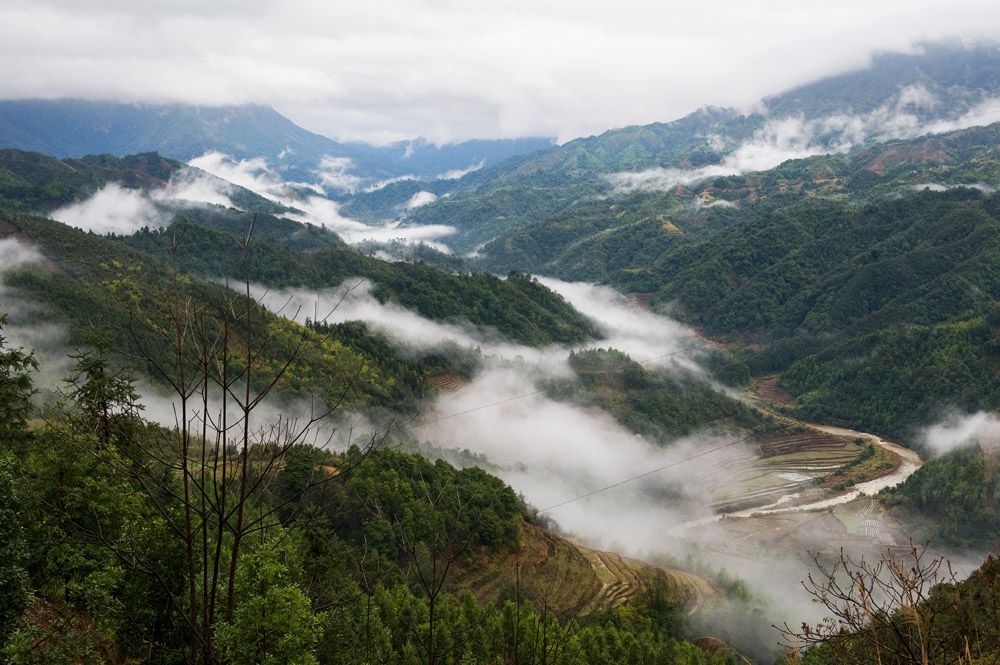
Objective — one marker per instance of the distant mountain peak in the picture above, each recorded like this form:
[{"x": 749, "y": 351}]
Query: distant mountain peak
[{"x": 75, "y": 128}]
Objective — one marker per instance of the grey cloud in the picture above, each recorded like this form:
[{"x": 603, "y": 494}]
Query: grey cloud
[
  {"x": 384, "y": 183},
  {"x": 27, "y": 326},
  {"x": 448, "y": 72},
  {"x": 648, "y": 338},
  {"x": 196, "y": 187},
  {"x": 937, "y": 187},
  {"x": 253, "y": 174},
  {"x": 553, "y": 452},
  {"x": 324, "y": 212},
  {"x": 14, "y": 253},
  {"x": 548, "y": 450},
  {"x": 114, "y": 209},
  {"x": 455, "y": 174},
  {"x": 420, "y": 199}
]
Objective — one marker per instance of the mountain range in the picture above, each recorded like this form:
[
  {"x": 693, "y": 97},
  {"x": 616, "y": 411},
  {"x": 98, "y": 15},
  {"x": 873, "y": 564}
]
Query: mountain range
[
  {"x": 76, "y": 128},
  {"x": 832, "y": 251}
]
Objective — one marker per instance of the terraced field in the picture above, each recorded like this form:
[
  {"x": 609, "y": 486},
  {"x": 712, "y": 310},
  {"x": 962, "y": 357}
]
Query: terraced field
[
  {"x": 448, "y": 383},
  {"x": 775, "y": 466},
  {"x": 570, "y": 579}
]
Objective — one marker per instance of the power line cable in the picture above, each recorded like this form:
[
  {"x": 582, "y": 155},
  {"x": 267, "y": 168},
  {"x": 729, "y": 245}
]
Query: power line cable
[{"x": 646, "y": 473}]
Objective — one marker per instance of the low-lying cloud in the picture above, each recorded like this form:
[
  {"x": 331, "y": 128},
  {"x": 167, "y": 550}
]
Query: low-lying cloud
[
  {"x": 326, "y": 213},
  {"x": 937, "y": 187},
  {"x": 120, "y": 210},
  {"x": 411, "y": 332},
  {"x": 113, "y": 209},
  {"x": 14, "y": 254},
  {"x": 455, "y": 174},
  {"x": 27, "y": 325},
  {"x": 963, "y": 430},
  {"x": 554, "y": 452},
  {"x": 550, "y": 451},
  {"x": 196, "y": 188},
  {"x": 334, "y": 173},
  {"x": 777, "y": 142},
  {"x": 596, "y": 479},
  {"x": 795, "y": 137},
  {"x": 381, "y": 184},
  {"x": 648, "y": 338},
  {"x": 421, "y": 198},
  {"x": 31, "y": 327},
  {"x": 257, "y": 176},
  {"x": 253, "y": 174}
]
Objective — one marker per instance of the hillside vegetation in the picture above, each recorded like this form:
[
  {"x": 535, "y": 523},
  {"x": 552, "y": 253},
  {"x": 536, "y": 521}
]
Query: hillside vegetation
[
  {"x": 211, "y": 542},
  {"x": 870, "y": 294}
]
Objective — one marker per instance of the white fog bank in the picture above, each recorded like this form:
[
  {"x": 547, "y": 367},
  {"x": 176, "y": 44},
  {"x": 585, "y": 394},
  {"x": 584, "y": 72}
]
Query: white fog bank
[
  {"x": 314, "y": 208},
  {"x": 548, "y": 450},
  {"x": 794, "y": 137}
]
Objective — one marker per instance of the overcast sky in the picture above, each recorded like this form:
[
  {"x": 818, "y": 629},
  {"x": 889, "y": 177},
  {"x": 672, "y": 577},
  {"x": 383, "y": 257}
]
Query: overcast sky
[{"x": 450, "y": 70}]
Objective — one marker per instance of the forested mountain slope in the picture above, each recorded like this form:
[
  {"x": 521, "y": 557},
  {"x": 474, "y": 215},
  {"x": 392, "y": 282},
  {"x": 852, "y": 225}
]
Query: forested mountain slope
[
  {"x": 35, "y": 182},
  {"x": 288, "y": 253},
  {"x": 867, "y": 281},
  {"x": 635, "y": 232},
  {"x": 898, "y": 96},
  {"x": 369, "y": 553},
  {"x": 824, "y": 265}
]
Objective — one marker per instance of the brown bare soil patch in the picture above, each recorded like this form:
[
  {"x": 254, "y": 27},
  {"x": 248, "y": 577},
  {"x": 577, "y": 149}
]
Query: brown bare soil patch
[
  {"x": 925, "y": 153},
  {"x": 823, "y": 528},
  {"x": 768, "y": 390},
  {"x": 65, "y": 631},
  {"x": 7, "y": 229},
  {"x": 775, "y": 466}
]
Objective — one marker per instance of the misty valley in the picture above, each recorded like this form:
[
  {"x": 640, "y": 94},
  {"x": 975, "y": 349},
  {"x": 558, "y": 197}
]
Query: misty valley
[{"x": 718, "y": 390}]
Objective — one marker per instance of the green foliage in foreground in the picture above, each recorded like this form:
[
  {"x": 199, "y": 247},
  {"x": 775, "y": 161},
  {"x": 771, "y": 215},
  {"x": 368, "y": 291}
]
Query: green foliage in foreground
[
  {"x": 926, "y": 616},
  {"x": 343, "y": 557}
]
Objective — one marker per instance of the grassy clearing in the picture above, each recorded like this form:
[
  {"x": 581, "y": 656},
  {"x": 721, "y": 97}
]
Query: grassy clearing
[{"x": 850, "y": 522}]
